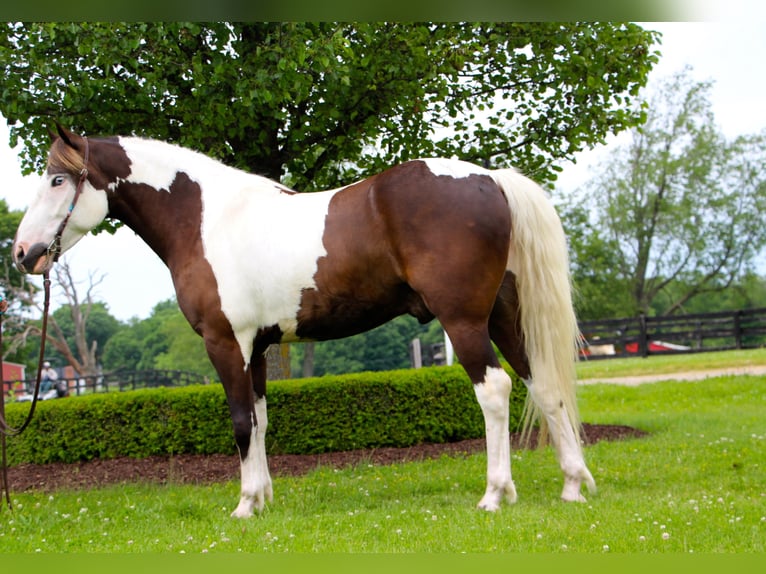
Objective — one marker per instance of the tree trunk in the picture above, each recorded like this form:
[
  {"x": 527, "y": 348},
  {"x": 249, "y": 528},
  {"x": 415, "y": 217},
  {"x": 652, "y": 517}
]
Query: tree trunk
[
  {"x": 278, "y": 362},
  {"x": 308, "y": 360}
]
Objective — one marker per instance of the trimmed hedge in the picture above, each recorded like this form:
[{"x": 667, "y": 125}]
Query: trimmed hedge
[{"x": 306, "y": 416}]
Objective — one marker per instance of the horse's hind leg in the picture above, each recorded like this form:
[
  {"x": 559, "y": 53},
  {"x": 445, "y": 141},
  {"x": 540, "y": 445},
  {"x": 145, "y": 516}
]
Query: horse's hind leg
[
  {"x": 505, "y": 327},
  {"x": 492, "y": 386},
  {"x": 505, "y": 331}
]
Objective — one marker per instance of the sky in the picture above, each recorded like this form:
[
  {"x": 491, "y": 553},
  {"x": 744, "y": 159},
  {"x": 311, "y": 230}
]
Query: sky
[{"x": 729, "y": 49}]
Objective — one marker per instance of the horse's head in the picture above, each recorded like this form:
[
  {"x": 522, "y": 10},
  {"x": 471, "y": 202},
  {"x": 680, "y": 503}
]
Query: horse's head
[{"x": 66, "y": 206}]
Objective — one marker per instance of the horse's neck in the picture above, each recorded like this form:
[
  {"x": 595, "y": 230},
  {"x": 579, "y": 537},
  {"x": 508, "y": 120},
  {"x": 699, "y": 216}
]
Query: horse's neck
[{"x": 163, "y": 199}]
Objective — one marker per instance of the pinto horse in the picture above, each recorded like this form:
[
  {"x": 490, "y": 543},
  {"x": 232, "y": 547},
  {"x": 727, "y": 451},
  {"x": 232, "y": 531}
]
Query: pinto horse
[{"x": 254, "y": 263}]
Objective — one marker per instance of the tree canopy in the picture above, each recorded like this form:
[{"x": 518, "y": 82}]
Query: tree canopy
[
  {"x": 318, "y": 103},
  {"x": 163, "y": 340}
]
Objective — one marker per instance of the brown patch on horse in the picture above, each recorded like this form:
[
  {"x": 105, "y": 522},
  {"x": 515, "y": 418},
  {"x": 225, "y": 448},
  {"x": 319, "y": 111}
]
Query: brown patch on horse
[
  {"x": 505, "y": 326},
  {"x": 173, "y": 233},
  {"x": 384, "y": 259},
  {"x": 358, "y": 286},
  {"x": 285, "y": 190}
]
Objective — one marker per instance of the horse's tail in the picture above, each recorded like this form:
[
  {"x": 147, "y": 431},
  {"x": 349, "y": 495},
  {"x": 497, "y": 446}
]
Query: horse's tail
[{"x": 539, "y": 260}]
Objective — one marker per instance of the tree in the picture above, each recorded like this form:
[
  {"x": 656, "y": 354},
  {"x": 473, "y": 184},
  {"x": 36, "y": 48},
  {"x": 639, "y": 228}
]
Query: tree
[
  {"x": 17, "y": 290},
  {"x": 381, "y": 349},
  {"x": 163, "y": 340},
  {"x": 78, "y": 329},
  {"x": 680, "y": 206},
  {"x": 320, "y": 104},
  {"x": 600, "y": 292},
  {"x": 185, "y": 350},
  {"x": 749, "y": 292}
]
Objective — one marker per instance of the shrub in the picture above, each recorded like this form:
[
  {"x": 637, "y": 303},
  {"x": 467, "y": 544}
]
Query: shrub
[{"x": 306, "y": 416}]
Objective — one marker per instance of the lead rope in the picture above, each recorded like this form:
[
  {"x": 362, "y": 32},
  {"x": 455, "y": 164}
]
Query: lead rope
[
  {"x": 54, "y": 249},
  {"x": 5, "y": 429}
]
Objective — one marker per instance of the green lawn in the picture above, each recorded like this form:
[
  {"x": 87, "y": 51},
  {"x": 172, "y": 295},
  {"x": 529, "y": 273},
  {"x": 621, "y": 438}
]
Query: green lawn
[
  {"x": 695, "y": 484},
  {"x": 669, "y": 364}
]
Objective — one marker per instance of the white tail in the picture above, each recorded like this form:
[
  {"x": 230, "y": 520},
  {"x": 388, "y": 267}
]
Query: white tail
[{"x": 538, "y": 258}]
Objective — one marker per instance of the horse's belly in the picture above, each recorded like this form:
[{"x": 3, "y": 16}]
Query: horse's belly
[{"x": 324, "y": 315}]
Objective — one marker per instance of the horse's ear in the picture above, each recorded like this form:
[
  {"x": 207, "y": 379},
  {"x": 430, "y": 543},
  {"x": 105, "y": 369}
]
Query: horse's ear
[{"x": 61, "y": 132}]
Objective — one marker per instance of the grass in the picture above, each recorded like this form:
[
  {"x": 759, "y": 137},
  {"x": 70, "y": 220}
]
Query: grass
[
  {"x": 695, "y": 484},
  {"x": 669, "y": 364}
]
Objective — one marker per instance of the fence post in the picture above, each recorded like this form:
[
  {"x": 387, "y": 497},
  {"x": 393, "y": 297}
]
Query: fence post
[
  {"x": 738, "y": 329},
  {"x": 416, "y": 358},
  {"x": 643, "y": 346}
]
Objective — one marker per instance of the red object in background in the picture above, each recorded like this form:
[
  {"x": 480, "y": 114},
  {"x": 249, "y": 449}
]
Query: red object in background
[
  {"x": 12, "y": 372},
  {"x": 656, "y": 346}
]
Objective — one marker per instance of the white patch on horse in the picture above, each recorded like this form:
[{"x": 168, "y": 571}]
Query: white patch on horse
[
  {"x": 493, "y": 394},
  {"x": 262, "y": 243},
  {"x": 263, "y": 247},
  {"x": 52, "y": 204},
  {"x": 256, "y": 486},
  {"x": 453, "y": 167},
  {"x": 157, "y": 164}
]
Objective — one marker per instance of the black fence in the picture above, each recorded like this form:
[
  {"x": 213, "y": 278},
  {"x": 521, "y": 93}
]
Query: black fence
[
  {"x": 627, "y": 337},
  {"x": 116, "y": 381},
  {"x": 643, "y": 336}
]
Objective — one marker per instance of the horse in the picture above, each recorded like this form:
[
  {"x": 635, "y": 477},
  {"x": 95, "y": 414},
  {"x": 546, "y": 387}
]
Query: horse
[{"x": 254, "y": 263}]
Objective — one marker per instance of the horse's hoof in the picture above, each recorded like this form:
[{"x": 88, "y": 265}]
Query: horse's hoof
[
  {"x": 245, "y": 507},
  {"x": 492, "y": 498}
]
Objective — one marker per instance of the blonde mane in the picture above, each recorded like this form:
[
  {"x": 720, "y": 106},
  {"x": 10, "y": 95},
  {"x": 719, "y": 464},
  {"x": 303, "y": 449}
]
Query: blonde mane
[{"x": 64, "y": 158}]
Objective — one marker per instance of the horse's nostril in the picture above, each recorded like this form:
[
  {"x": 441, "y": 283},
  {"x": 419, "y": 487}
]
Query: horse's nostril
[{"x": 28, "y": 256}]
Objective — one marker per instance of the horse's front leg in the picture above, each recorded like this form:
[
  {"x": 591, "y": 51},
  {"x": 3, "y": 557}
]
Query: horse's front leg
[
  {"x": 250, "y": 421},
  {"x": 245, "y": 386}
]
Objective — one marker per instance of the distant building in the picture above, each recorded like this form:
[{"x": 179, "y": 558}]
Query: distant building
[{"x": 12, "y": 372}]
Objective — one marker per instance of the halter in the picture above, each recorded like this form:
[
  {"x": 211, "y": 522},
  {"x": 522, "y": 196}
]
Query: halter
[
  {"x": 54, "y": 247},
  {"x": 6, "y": 430}
]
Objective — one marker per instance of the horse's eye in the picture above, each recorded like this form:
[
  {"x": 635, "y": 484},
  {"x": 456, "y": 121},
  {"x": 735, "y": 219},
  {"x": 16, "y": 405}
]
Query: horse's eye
[{"x": 57, "y": 181}]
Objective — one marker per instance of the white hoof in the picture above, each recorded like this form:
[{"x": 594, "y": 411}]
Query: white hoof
[
  {"x": 244, "y": 509},
  {"x": 250, "y": 502},
  {"x": 572, "y": 486},
  {"x": 494, "y": 496}
]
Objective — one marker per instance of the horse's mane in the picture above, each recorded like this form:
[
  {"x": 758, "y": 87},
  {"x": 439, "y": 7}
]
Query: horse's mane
[{"x": 64, "y": 158}]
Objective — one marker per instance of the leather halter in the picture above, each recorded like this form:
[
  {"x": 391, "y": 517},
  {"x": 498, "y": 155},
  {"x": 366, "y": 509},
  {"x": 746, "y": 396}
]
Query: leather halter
[{"x": 54, "y": 247}]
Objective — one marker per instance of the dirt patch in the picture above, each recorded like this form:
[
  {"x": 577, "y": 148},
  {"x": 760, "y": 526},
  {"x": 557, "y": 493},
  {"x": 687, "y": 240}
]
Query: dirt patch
[{"x": 207, "y": 469}]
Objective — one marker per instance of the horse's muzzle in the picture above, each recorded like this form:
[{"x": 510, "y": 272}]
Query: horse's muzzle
[{"x": 31, "y": 258}]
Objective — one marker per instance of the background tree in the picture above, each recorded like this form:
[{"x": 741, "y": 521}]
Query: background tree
[
  {"x": 601, "y": 291},
  {"x": 161, "y": 341},
  {"x": 748, "y": 292},
  {"x": 78, "y": 329},
  {"x": 15, "y": 287},
  {"x": 680, "y": 206},
  {"x": 382, "y": 349}
]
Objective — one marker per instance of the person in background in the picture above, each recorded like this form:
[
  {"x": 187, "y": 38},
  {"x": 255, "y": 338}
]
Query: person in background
[{"x": 49, "y": 377}]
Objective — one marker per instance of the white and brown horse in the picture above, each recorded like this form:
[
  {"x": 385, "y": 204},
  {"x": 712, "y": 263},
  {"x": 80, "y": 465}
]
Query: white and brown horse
[{"x": 254, "y": 263}]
